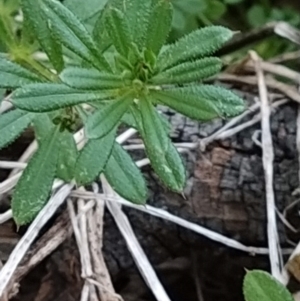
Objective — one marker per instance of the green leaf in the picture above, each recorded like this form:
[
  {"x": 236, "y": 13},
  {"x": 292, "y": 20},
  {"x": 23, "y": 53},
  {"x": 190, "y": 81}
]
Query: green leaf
[
  {"x": 14, "y": 76},
  {"x": 137, "y": 13},
  {"x": 118, "y": 30},
  {"x": 203, "y": 102},
  {"x": 12, "y": 124},
  {"x": 100, "y": 34},
  {"x": 67, "y": 147},
  {"x": 90, "y": 79},
  {"x": 42, "y": 125},
  {"x": 128, "y": 119},
  {"x": 189, "y": 71},
  {"x": 125, "y": 177},
  {"x": 50, "y": 97},
  {"x": 257, "y": 15},
  {"x": 168, "y": 166},
  {"x": 38, "y": 23},
  {"x": 259, "y": 285},
  {"x": 85, "y": 10},
  {"x": 154, "y": 130},
  {"x": 72, "y": 33},
  {"x": 167, "y": 163},
  {"x": 6, "y": 33},
  {"x": 215, "y": 10},
  {"x": 93, "y": 158},
  {"x": 67, "y": 157},
  {"x": 160, "y": 25},
  {"x": 34, "y": 186},
  {"x": 2, "y": 95},
  {"x": 197, "y": 44},
  {"x": 106, "y": 118}
]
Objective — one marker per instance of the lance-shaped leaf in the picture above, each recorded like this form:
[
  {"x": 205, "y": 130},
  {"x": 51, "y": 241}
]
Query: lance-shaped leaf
[
  {"x": 118, "y": 30},
  {"x": 189, "y": 72},
  {"x": 100, "y": 34},
  {"x": 42, "y": 125},
  {"x": 125, "y": 177},
  {"x": 6, "y": 34},
  {"x": 160, "y": 25},
  {"x": 154, "y": 130},
  {"x": 129, "y": 119},
  {"x": 38, "y": 23},
  {"x": 90, "y": 79},
  {"x": 86, "y": 10},
  {"x": 7, "y": 27},
  {"x": 12, "y": 124},
  {"x": 50, "y": 97},
  {"x": 13, "y": 75},
  {"x": 259, "y": 285},
  {"x": 67, "y": 157},
  {"x": 168, "y": 166},
  {"x": 167, "y": 163},
  {"x": 72, "y": 33},
  {"x": 197, "y": 44},
  {"x": 34, "y": 186},
  {"x": 203, "y": 102},
  {"x": 67, "y": 147},
  {"x": 106, "y": 118},
  {"x": 93, "y": 158},
  {"x": 137, "y": 14}
]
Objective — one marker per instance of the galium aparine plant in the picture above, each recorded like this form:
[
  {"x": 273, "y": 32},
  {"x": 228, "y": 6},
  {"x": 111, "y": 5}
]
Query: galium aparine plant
[{"x": 116, "y": 74}]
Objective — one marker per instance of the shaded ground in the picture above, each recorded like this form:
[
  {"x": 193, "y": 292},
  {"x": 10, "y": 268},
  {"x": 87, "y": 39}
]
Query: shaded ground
[{"x": 225, "y": 193}]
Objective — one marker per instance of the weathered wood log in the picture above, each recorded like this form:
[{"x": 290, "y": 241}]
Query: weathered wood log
[{"x": 225, "y": 193}]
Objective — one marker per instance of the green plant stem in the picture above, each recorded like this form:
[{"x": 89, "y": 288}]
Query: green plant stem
[
  {"x": 7, "y": 32},
  {"x": 39, "y": 68}
]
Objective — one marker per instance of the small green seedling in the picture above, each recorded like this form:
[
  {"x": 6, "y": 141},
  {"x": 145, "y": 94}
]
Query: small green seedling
[{"x": 118, "y": 73}]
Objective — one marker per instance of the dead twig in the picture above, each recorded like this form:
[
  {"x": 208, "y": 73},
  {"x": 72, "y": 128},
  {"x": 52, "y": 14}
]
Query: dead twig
[
  {"x": 95, "y": 230},
  {"x": 53, "y": 238},
  {"x": 242, "y": 40},
  {"x": 160, "y": 213},
  {"x": 79, "y": 223},
  {"x": 86, "y": 225},
  {"x": 268, "y": 158},
  {"x": 285, "y": 57},
  {"x": 279, "y": 70},
  {"x": 126, "y": 230},
  {"x": 205, "y": 141},
  {"x": 12, "y": 180},
  {"x": 133, "y": 245},
  {"x": 5, "y": 104},
  {"x": 287, "y": 90},
  {"x": 285, "y": 274},
  {"x": 6, "y": 216},
  {"x": 257, "y": 118},
  {"x": 31, "y": 149},
  {"x": 26, "y": 241}
]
